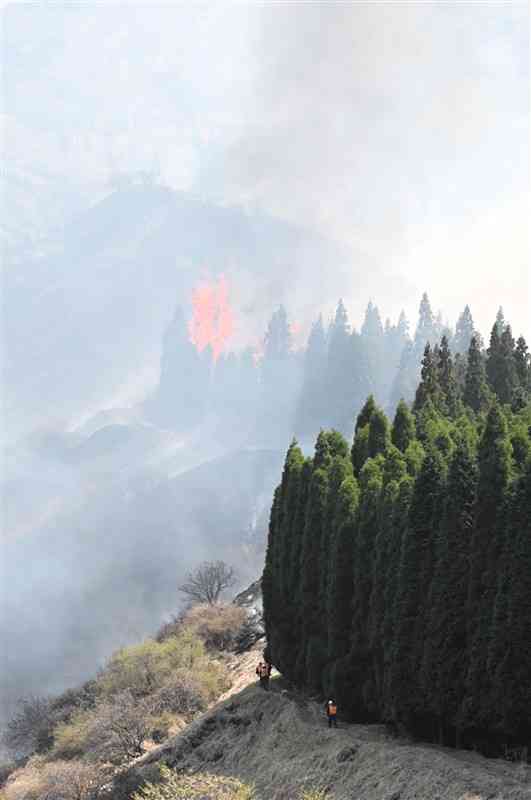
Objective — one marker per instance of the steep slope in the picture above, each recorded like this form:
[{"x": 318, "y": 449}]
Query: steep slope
[
  {"x": 280, "y": 742},
  {"x": 109, "y": 542}
]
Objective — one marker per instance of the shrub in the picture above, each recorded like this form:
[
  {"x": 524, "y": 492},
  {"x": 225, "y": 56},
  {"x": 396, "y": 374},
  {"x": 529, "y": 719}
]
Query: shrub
[
  {"x": 144, "y": 668},
  {"x": 119, "y": 727},
  {"x": 115, "y": 730},
  {"x": 174, "y": 786},
  {"x": 181, "y": 694},
  {"x": 72, "y": 738},
  {"x": 218, "y": 626},
  {"x": 74, "y": 780},
  {"x": 169, "y": 629},
  {"x": 31, "y": 728}
]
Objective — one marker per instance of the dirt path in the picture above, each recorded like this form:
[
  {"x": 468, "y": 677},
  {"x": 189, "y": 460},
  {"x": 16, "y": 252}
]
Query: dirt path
[{"x": 279, "y": 740}]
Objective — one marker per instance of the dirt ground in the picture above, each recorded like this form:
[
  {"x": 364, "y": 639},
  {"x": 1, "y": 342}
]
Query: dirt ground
[{"x": 280, "y": 742}]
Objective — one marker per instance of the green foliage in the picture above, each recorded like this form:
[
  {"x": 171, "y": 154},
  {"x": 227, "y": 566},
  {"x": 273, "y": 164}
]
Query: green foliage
[
  {"x": 403, "y": 431},
  {"x": 407, "y": 588},
  {"x": 144, "y": 667}
]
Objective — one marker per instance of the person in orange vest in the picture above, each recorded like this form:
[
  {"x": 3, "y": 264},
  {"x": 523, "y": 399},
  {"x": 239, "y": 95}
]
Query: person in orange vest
[
  {"x": 331, "y": 713},
  {"x": 263, "y": 671}
]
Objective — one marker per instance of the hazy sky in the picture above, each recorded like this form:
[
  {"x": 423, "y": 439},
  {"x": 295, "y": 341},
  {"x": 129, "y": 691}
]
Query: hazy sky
[{"x": 400, "y": 128}]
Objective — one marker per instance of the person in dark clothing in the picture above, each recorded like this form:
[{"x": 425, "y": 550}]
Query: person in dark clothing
[
  {"x": 263, "y": 671},
  {"x": 331, "y": 713}
]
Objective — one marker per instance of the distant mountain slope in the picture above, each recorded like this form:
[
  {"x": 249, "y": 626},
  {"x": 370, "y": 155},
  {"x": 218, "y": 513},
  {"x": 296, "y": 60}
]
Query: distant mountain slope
[{"x": 84, "y": 319}]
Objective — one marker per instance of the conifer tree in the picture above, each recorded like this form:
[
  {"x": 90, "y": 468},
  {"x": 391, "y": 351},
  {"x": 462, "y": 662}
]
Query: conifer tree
[
  {"x": 403, "y": 431},
  {"x": 394, "y": 471},
  {"x": 444, "y": 662},
  {"x": 270, "y": 576},
  {"x": 371, "y": 482},
  {"x": 414, "y": 579},
  {"x": 501, "y": 364},
  {"x": 523, "y": 363},
  {"x": 494, "y": 458},
  {"x": 428, "y": 388},
  {"x": 364, "y": 416},
  {"x": 340, "y": 372},
  {"x": 378, "y": 439},
  {"x": 313, "y": 398},
  {"x": 402, "y": 505},
  {"x": 298, "y": 642},
  {"x": 476, "y": 392},
  {"x": 464, "y": 331},
  {"x": 426, "y": 326},
  {"x": 340, "y": 469},
  {"x": 373, "y": 340},
  {"x": 310, "y": 577},
  {"x": 446, "y": 379},
  {"x": 360, "y": 446},
  {"x": 513, "y": 673},
  {"x": 341, "y": 584}
]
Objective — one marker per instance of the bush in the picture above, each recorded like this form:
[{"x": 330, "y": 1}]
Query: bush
[
  {"x": 144, "y": 668},
  {"x": 181, "y": 694},
  {"x": 174, "y": 786},
  {"x": 114, "y": 731},
  {"x": 218, "y": 626},
  {"x": 74, "y": 780},
  {"x": 30, "y": 730},
  {"x": 72, "y": 738},
  {"x": 169, "y": 629}
]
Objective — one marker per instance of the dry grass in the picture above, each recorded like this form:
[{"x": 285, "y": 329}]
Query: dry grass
[
  {"x": 194, "y": 787},
  {"x": 280, "y": 742},
  {"x": 216, "y": 625}
]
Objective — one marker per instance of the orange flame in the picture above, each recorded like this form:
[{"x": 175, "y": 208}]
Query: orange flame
[{"x": 212, "y": 322}]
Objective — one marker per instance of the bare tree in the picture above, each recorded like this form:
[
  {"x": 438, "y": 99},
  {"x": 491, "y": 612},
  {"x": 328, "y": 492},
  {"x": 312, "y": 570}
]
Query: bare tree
[
  {"x": 73, "y": 780},
  {"x": 30, "y": 729},
  {"x": 207, "y": 581},
  {"x": 120, "y": 727}
]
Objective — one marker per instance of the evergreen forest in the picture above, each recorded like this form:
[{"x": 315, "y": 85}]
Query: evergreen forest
[{"x": 398, "y": 568}]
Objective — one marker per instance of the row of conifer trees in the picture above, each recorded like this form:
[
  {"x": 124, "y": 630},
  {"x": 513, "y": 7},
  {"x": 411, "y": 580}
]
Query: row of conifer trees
[{"x": 398, "y": 569}]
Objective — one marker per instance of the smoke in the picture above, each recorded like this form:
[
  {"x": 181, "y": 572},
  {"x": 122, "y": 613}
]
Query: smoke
[
  {"x": 396, "y": 129},
  {"x": 315, "y": 150}
]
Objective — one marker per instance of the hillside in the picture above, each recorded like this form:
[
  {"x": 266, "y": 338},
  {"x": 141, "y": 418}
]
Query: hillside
[{"x": 279, "y": 742}]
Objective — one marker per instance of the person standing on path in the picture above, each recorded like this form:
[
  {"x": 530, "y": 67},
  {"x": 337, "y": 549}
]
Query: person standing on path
[
  {"x": 263, "y": 671},
  {"x": 331, "y": 713}
]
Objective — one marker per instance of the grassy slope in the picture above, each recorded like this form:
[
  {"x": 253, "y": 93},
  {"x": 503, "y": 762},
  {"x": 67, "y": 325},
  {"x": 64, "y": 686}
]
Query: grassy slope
[{"x": 281, "y": 743}]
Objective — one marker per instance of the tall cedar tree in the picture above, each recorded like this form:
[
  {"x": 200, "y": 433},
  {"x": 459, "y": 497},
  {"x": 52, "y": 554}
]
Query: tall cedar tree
[
  {"x": 360, "y": 446},
  {"x": 464, "y": 332},
  {"x": 476, "y": 393},
  {"x": 494, "y": 459},
  {"x": 289, "y": 491},
  {"x": 313, "y": 398},
  {"x": 407, "y": 595},
  {"x": 414, "y": 578},
  {"x": 371, "y": 481},
  {"x": 340, "y": 587},
  {"x": 446, "y": 378},
  {"x": 310, "y": 577},
  {"x": 403, "y": 431},
  {"x": 428, "y": 388},
  {"x": 513, "y": 673},
  {"x": 444, "y": 664}
]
